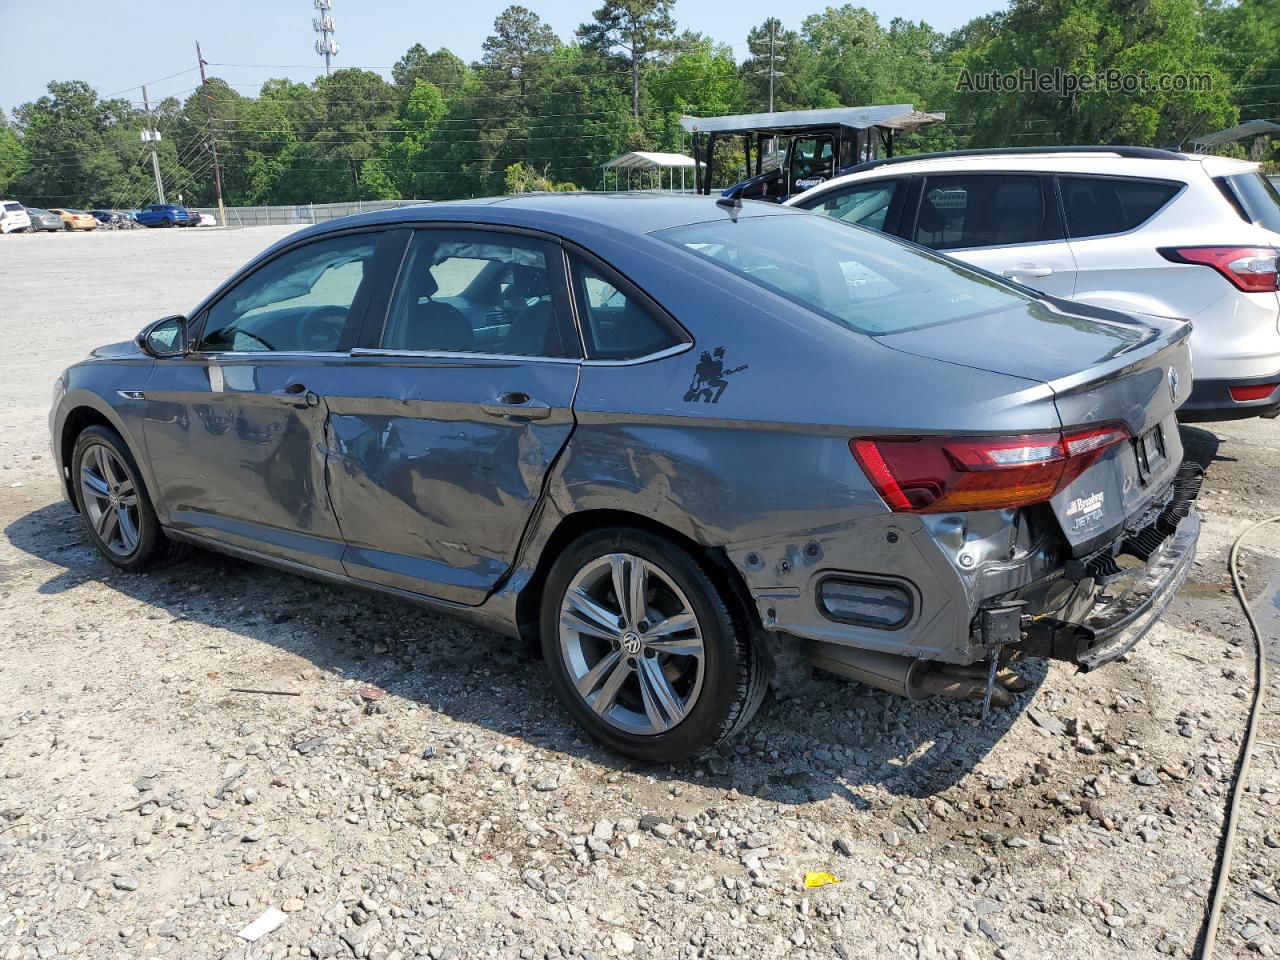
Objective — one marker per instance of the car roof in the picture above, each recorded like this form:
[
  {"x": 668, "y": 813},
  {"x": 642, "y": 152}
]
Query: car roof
[
  {"x": 1174, "y": 167},
  {"x": 569, "y": 214}
]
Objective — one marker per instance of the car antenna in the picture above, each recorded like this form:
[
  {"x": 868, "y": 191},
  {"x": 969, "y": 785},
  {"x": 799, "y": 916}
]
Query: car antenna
[{"x": 732, "y": 204}]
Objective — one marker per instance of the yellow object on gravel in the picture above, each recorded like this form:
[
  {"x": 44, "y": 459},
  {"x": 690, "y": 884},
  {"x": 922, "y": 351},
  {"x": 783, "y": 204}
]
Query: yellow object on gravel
[{"x": 820, "y": 879}]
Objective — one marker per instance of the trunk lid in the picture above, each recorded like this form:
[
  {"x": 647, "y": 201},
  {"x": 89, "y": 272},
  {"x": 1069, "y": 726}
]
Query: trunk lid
[{"x": 1103, "y": 367}]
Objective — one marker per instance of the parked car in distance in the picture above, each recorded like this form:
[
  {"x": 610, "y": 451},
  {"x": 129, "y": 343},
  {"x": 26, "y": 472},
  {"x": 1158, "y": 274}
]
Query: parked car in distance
[
  {"x": 167, "y": 215},
  {"x": 651, "y": 435},
  {"x": 75, "y": 219},
  {"x": 1128, "y": 228},
  {"x": 13, "y": 217},
  {"x": 44, "y": 220},
  {"x": 108, "y": 218},
  {"x": 207, "y": 220}
]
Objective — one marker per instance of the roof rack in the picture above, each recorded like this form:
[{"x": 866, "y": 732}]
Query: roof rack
[{"x": 1141, "y": 153}]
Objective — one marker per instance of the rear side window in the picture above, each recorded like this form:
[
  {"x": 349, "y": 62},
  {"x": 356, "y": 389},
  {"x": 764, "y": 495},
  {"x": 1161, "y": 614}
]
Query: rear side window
[
  {"x": 1259, "y": 198},
  {"x": 617, "y": 323},
  {"x": 986, "y": 210},
  {"x": 1097, "y": 206},
  {"x": 475, "y": 291}
]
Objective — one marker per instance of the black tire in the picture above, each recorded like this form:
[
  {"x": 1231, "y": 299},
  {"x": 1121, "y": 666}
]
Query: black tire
[
  {"x": 152, "y": 548},
  {"x": 734, "y": 670}
]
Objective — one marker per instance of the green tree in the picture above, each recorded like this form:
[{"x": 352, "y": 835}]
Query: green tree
[
  {"x": 634, "y": 30},
  {"x": 1092, "y": 37},
  {"x": 520, "y": 42},
  {"x": 12, "y": 156},
  {"x": 442, "y": 67}
]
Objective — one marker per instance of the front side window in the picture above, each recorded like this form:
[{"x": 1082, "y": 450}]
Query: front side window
[
  {"x": 1097, "y": 206},
  {"x": 812, "y": 161},
  {"x": 298, "y": 302},
  {"x": 986, "y": 210},
  {"x": 866, "y": 204},
  {"x": 616, "y": 323},
  {"x": 472, "y": 291},
  {"x": 865, "y": 281}
]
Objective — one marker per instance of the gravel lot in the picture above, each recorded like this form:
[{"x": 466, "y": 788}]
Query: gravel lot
[{"x": 423, "y": 796}]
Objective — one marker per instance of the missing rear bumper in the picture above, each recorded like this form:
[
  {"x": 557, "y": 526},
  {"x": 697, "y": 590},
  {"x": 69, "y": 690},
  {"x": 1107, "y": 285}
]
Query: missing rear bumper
[{"x": 1115, "y": 624}]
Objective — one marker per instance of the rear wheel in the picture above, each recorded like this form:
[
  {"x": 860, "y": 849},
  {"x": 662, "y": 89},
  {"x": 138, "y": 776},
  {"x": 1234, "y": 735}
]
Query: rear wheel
[
  {"x": 117, "y": 512},
  {"x": 642, "y": 647}
]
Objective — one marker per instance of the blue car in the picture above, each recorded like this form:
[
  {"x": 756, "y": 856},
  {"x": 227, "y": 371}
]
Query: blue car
[{"x": 167, "y": 215}]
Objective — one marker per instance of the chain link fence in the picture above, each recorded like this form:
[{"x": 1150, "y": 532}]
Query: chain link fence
[{"x": 284, "y": 214}]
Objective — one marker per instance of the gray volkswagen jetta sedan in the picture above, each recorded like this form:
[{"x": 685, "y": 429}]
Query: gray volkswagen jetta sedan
[{"x": 663, "y": 439}]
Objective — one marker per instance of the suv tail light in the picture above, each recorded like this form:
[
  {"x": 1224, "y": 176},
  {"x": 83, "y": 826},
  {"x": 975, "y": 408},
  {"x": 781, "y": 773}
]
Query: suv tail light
[
  {"x": 956, "y": 474},
  {"x": 1252, "y": 269}
]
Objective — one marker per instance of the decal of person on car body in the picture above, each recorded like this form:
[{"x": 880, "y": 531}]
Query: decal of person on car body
[{"x": 709, "y": 381}]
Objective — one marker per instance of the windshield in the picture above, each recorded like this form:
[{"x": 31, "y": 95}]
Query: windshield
[
  {"x": 1259, "y": 198},
  {"x": 858, "y": 278}
]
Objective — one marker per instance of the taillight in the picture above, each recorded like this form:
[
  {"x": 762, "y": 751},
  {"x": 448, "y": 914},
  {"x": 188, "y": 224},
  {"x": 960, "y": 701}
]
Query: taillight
[
  {"x": 1253, "y": 391},
  {"x": 1252, "y": 269},
  {"x": 956, "y": 474}
]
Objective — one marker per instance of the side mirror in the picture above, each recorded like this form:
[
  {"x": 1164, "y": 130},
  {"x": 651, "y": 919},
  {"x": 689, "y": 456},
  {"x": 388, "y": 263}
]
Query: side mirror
[{"x": 164, "y": 338}]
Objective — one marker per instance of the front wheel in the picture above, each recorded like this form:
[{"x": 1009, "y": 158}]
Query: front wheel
[
  {"x": 643, "y": 649},
  {"x": 114, "y": 504}
]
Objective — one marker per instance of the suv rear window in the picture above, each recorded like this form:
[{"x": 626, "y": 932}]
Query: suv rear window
[
  {"x": 1097, "y": 206},
  {"x": 1260, "y": 199},
  {"x": 986, "y": 210},
  {"x": 862, "y": 280}
]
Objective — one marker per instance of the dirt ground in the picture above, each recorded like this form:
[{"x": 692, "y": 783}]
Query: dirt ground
[{"x": 422, "y": 795}]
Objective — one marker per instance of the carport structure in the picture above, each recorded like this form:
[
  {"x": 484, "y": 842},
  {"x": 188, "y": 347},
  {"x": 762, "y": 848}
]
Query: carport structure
[
  {"x": 643, "y": 161},
  {"x": 855, "y": 134}
]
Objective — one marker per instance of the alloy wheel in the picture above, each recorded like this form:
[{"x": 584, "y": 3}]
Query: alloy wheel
[
  {"x": 110, "y": 499},
  {"x": 632, "y": 644}
]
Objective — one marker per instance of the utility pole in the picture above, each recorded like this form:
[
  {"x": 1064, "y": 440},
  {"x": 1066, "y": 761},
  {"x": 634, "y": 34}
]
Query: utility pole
[
  {"x": 773, "y": 31},
  {"x": 213, "y": 140},
  {"x": 152, "y": 136}
]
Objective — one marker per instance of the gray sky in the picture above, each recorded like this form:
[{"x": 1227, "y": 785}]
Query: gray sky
[{"x": 116, "y": 45}]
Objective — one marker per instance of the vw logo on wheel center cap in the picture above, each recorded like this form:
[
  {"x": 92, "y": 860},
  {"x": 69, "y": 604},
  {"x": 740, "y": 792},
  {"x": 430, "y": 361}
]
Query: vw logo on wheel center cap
[{"x": 631, "y": 642}]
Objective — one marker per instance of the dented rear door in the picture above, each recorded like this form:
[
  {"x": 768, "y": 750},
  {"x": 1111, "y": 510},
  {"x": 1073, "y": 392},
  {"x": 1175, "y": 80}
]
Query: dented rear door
[{"x": 450, "y": 417}]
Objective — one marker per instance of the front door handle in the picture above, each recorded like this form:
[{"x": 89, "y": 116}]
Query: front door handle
[
  {"x": 297, "y": 395},
  {"x": 518, "y": 406},
  {"x": 1028, "y": 270}
]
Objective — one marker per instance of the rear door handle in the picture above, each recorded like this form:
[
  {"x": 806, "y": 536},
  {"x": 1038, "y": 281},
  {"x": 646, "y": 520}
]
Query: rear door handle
[
  {"x": 297, "y": 395},
  {"x": 516, "y": 405},
  {"x": 1028, "y": 270}
]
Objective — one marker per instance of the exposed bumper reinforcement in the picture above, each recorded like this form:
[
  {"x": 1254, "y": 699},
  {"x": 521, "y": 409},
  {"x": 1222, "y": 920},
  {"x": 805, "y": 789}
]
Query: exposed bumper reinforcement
[{"x": 1117, "y": 622}]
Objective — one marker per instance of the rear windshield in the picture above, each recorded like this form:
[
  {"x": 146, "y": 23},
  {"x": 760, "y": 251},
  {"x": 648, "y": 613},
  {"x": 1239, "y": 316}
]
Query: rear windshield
[
  {"x": 859, "y": 278},
  {"x": 13, "y": 206},
  {"x": 1259, "y": 198}
]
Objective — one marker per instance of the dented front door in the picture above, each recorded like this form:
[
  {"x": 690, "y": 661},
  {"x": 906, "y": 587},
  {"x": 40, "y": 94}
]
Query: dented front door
[{"x": 237, "y": 449}]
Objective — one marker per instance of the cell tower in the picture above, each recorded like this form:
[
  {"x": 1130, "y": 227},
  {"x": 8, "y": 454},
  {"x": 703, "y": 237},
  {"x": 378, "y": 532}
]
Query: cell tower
[{"x": 324, "y": 27}]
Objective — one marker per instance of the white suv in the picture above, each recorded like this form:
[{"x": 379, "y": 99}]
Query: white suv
[
  {"x": 1129, "y": 228},
  {"x": 13, "y": 217}
]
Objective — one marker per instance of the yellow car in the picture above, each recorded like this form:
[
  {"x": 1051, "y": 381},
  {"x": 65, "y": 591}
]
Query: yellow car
[{"x": 76, "y": 219}]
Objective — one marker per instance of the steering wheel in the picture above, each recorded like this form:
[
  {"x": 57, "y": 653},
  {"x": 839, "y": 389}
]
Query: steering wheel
[{"x": 320, "y": 328}]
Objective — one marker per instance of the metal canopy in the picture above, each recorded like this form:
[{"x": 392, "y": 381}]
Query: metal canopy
[
  {"x": 1250, "y": 128},
  {"x": 901, "y": 117},
  {"x": 640, "y": 160}
]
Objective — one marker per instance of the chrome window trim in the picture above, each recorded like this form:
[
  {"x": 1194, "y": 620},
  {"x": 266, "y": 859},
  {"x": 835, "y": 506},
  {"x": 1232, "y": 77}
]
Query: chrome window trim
[
  {"x": 670, "y": 351},
  {"x": 392, "y": 354},
  {"x": 376, "y": 352},
  {"x": 214, "y": 355}
]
